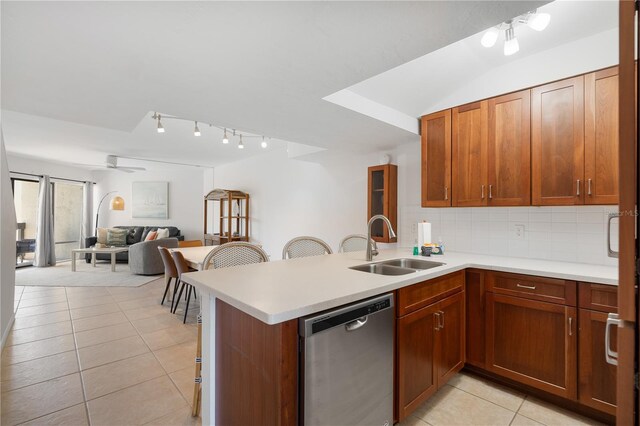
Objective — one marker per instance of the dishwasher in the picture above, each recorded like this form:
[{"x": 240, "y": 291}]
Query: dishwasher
[{"x": 347, "y": 365}]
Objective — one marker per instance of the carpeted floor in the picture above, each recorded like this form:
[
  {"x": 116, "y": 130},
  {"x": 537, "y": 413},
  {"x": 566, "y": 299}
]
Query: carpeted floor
[{"x": 85, "y": 276}]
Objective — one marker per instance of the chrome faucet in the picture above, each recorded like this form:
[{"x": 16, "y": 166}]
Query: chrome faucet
[{"x": 370, "y": 250}]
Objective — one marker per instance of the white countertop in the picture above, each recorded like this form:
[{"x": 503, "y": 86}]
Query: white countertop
[{"x": 278, "y": 291}]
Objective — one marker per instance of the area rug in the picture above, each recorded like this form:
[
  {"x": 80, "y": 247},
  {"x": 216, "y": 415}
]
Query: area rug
[{"x": 85, "y": 276}]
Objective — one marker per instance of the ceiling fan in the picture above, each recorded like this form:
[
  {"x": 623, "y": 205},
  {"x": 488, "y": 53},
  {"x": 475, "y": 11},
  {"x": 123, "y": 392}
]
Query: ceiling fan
[{"x": 112, "y": 163}]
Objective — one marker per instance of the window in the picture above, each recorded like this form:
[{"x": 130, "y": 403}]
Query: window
[{"x": 67, "y": 218}]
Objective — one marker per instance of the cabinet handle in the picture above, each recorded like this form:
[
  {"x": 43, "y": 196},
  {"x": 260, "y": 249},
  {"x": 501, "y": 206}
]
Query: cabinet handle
[
  {"x": 570, "y": 326},
  {"x": 482, "y": 192},
  {"x": 610, "y": 251},
  {"x": 578, "y": 187},
  {"x": 589, "y": 187},
  {"x": 437, "y": 320},
  {"x": 610, "y": 356},
  {"x": 529, "y": 287},
  {"x": 442, "y": 316},
  {"x": 490, "y": 191},
  {"x": 446, "y": 193}
]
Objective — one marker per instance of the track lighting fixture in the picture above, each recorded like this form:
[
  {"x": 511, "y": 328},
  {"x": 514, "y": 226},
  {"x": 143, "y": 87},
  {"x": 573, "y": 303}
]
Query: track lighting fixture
[
  {"x": 263, "y": 143},
  {"x": 196, "y": 131},
  {"x": 160, "y": 129},
  {"x": 534, "y": 20},
  {"x": 240, "y": 144},
  {"x": 225, "y": 139}
]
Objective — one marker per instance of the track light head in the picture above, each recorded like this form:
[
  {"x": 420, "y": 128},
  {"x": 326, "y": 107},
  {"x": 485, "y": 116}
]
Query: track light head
[
  {"x": 490, "y": 37},
  {"x": 240, "y": 144},
  {"x": 263, "y": 143},
  {"x": 511, "y": 44},
  {"x": 160, "y": 128},
  {"x": 225, "y": 139},
  {"x": 196, "y": 130},
  {"x": 538, "y": 21}
]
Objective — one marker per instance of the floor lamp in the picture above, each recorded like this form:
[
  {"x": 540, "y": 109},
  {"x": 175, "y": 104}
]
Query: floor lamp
[{"x": 117, "y": 203}]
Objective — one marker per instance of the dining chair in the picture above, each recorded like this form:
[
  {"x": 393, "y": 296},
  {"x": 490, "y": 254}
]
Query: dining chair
[
  {"x": 190, "y": 243},
  {"x": 170, "y": 272},
  {"x": 183, "y": 267},
  {"x": 355, "y": 242},
  {"x": 304, "y": 247}
]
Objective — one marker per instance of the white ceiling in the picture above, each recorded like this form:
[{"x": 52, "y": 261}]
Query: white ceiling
[
  {"x": 420, "y": 86},
  {"x": 90, "y": 72}
]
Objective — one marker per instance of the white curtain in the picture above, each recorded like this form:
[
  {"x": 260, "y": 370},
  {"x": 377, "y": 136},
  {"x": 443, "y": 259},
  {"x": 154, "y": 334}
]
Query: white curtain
[
  {"x": 87, "y": 213},
  {"x": 45, "y": 243}
]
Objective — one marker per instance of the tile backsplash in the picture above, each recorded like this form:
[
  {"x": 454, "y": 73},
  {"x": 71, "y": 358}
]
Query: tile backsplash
[{"x": 572, "y": 234}]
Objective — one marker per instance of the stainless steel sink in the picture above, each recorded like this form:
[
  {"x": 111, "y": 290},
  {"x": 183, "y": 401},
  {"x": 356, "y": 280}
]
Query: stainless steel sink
[
  {"x": 380, "y": 269},
  {"x": 418, "y": 264},
  {"x": 397, "y": 266}
]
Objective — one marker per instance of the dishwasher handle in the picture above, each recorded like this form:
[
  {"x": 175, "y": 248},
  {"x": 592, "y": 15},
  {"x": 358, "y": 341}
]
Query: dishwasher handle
[{"x": 354, "y": 325}]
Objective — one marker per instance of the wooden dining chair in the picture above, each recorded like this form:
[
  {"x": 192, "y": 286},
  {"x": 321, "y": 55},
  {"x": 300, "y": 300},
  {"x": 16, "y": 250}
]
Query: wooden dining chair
[
  {"x": 183, "y": 267},
  {"x": 304, "y": 247},
  {"x": 170, "y": 272}
]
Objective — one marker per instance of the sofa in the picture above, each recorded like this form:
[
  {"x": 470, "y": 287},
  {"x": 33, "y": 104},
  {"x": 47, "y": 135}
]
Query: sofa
[
  {"x": 135, "y": 235},
  {"x": 144, "y": 257}
]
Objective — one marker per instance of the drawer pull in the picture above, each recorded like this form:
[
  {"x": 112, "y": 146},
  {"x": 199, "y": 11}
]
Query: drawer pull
[{"x": 528, "y": 287}]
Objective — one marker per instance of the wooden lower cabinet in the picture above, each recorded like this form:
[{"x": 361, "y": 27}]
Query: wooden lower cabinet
[
  {"x": 533, "y": 342},
  {"x": 475, "y": 292},
  {"x": 597, "y": 378},
  {"x": 430, "y": 345}
]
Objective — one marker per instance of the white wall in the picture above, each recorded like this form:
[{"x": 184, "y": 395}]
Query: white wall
[
  {"x": 7, "y": 246},
  {"x": 576, "y": 234},
  {"x": 289, "y": 197},
  {"x": 186, "y": 189},
  {"x": 40, "y": 167}
]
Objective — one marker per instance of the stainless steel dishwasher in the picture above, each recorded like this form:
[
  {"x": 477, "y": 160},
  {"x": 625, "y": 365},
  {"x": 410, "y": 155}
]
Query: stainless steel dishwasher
[{"x": 347, "y": 365}]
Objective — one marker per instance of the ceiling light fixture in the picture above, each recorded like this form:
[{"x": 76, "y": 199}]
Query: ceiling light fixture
[
  {"x": 263, "y": 143},
  {"x": 196, "y": 131},
  {"x": 534, "y": 20},
  {"x": 240, "y": 144},
  {"x": 160, "y": 128},
  {"x": 225, "y": 139}
]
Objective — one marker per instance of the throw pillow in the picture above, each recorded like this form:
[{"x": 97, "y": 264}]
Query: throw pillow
[
  {"x": 101, "y": 234},
  {"x": 162, "y": 233},
  {"x": 116, "y": 237},
  {"x": 151, "y": 236}
]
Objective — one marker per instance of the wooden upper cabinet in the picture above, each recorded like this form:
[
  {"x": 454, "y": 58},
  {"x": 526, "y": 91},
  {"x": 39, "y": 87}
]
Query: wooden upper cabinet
[
  {"x": 509, "y": 150},
  {"x": 557, "y": 143},
  {"x": 601, "y": 137},
  {"x": 436, "y": 159},
  {"x": 382, "y": 199},
  {"x": 469, "y": 159}
]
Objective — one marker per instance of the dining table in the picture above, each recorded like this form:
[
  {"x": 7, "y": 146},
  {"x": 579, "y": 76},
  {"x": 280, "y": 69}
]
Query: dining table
[{"x": 195, "y": 255}]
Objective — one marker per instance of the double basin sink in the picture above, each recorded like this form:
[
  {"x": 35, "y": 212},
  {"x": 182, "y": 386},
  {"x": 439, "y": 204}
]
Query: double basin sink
[{"x": 397, "y": 266}]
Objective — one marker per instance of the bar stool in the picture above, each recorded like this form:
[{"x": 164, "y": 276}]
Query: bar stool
[
  {"x": 304, "y": 247},
  {"x": 183, "y": 267},
  {"x": 170, "y": 271},
  {"x": 355, "y": 242}
]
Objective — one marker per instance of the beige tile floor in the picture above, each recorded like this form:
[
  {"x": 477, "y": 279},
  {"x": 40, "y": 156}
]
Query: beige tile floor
[
  {"x": 99, "y": 356},
  {"x": 470, "y": 400},
  {"x": 114, "y": 356}
]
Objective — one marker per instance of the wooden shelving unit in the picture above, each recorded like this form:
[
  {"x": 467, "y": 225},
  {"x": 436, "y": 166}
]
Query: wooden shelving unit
[{"x": 231, "y": 214}]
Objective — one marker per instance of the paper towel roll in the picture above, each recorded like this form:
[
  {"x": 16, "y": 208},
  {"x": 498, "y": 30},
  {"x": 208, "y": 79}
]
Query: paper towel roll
[{"x": 424, "y": 233}]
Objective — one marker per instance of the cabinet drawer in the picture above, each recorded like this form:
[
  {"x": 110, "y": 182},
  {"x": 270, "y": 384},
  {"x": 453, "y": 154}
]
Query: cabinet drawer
[
  {"x": 598, "y": 297},
  {"x": 535, "y": 288},
  {"x": 425, "y": 293}
]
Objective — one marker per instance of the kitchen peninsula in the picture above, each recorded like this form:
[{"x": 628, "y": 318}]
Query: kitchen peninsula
[{"x": 258, "y": 305}]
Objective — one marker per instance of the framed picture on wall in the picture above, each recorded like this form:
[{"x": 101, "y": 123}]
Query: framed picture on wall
[{"x": 150, "y": 200}]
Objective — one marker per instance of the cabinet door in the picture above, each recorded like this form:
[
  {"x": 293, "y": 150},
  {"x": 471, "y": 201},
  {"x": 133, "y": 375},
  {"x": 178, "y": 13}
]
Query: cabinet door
[
  {"x": 450, "y": 338},
  {"x": 557, "y": 143},
  {"x": 597, "y": 378},
  {"x": 383, "y": 199},
  {"x": 509, "y": 168},
  {"x": 469, "y": 162},
  {"x": 475, "y": 319},
  {"x": 533, "y": 343},
  {"x": 601, "y": 137},
  {"x": 417, "y": 378},
  {"x": 436, "y": 159}
]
